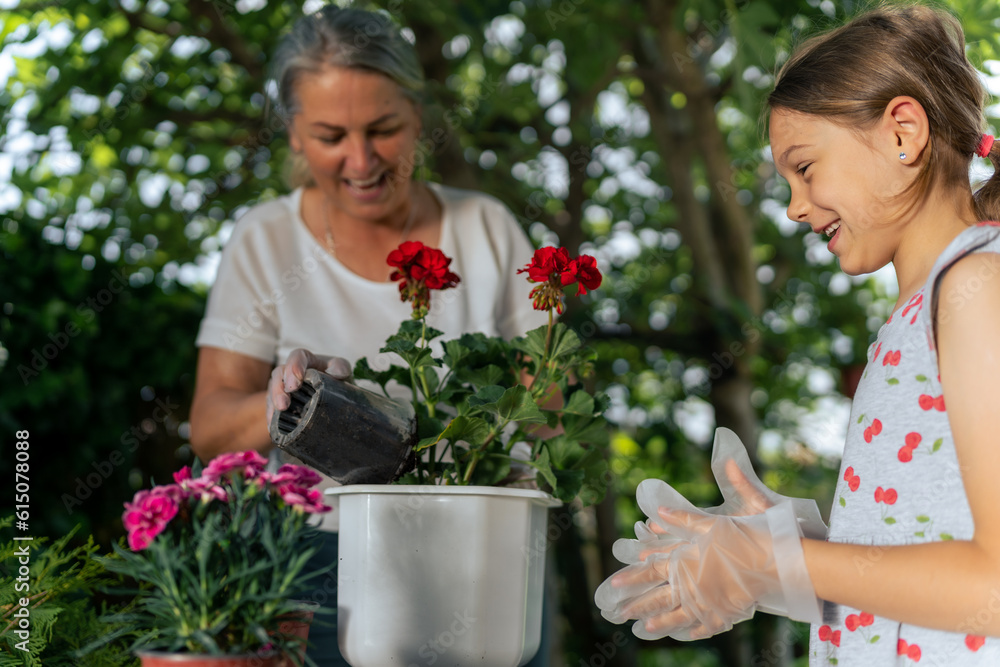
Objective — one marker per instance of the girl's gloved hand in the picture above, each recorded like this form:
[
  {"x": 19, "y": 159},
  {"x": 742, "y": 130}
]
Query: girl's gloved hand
[
  {"x": 287, "y": 377},
  {"x": 695, "y": 572}
]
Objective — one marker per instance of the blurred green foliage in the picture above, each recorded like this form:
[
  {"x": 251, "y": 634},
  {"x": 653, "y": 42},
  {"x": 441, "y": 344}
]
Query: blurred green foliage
[{"x": 135, "y": 132}]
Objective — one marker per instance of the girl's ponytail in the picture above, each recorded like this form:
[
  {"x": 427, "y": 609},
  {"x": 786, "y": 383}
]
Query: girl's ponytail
[{"x": 987, "y": 197}]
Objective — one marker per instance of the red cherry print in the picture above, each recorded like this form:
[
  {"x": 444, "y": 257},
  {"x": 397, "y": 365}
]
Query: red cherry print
[
  {"x": 824, "y": 633},
  {"x": 905, "y": 454},
  {"x": 835, "y": 638},
  {"x": 853, "y": 481},
  {"x": 868, "y": 434},
  {"x": 939, "y": 403},
  {"x": 901, "y": 647},
  {"x": 915, "y": 302},
  {"x": 895, "y": 358},
  {"x": 866, "y": 619},
  {"x": 926, "y": 402},
  {"x": 887, "y": 496},
  {"x": 876, "y": 427},
  {"x": 913, "y": 653},
  {"x": 877, "y": 350},
  {"x": 852, "y": 622},
  {"x": 913, "y": 439},
  {"x": 974, "y": 642}
]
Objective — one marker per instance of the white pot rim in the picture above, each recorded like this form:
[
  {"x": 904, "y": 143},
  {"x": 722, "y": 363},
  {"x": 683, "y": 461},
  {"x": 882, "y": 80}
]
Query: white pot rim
[{"x": 435, "y": 490}]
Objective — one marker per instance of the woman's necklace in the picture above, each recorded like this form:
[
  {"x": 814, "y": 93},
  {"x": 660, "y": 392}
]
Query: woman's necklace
[{"x": 331, "y": 246}]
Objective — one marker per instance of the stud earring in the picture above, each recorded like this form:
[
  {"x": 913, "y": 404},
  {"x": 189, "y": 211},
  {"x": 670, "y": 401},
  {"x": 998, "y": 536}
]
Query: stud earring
[{"x": 902, "y": 156}]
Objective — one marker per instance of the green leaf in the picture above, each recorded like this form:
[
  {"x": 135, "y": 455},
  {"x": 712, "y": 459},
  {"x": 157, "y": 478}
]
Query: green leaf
[
  {"x": 586, "y": 429},
  {"x": 473, "y": 430},
  {"x": 362, "y": 371},
  {"x": 937, "y": 445},
  {"x": 516, "y": 404},
  {"x": 568, "y": 484},
  {"x": 579, "y": 403},
  {"x": 400, "y": 346},
  {"x": 843, "y": 503},
  {"x": 491, "y": 374},
  {"x": 946, "y": 536},
  {"x": 889, "y": 520},
  {"x": 544, "y": 468},
  {"x": 861, "y": 419},
  {"x": 486, "y": 396},
  {"x": 874, "y": 639},
  {"x": 923, "y": 518},
  {"x": 532, "y": 343},
  {"x": 471, "y": 350},
  {"x": 921, "y": 378},
  {"x": 564, "y": 452},
  {"x": 428, "y": 427},
  {"x": 893, "y": 381},
  {"x": 919, "y": 534},
  {"x": 564, "y": 341},
  {"x": 424, "y": 443}
]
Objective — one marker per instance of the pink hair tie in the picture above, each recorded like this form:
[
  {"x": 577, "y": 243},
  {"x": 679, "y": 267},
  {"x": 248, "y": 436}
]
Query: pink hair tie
[{"x": 985, "y": 144}]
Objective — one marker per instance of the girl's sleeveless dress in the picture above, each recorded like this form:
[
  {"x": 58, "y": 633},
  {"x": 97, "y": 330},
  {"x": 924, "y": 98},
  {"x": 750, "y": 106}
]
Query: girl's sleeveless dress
[{"x": 900, "y": 483}]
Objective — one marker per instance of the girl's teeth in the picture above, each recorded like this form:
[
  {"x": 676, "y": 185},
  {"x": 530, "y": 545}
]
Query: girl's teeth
[{"x": 832, "y": 229}]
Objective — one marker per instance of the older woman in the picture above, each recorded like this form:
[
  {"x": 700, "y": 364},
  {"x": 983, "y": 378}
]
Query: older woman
[{"x": 303, "y": 280}]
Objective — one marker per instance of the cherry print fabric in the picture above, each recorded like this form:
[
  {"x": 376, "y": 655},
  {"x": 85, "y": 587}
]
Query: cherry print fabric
[{"x": 900, "y": 484}]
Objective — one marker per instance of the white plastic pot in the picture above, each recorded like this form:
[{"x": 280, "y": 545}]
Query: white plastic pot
[{"x": 440, "y": 575}]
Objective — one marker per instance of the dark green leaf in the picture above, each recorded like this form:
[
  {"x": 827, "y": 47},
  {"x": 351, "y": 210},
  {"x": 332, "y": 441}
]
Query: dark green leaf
[{"x": 487, "y": 396}]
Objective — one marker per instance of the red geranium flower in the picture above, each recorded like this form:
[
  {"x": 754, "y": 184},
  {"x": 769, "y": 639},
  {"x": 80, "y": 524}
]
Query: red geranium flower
[
  {"x": 553, "y": 268},
  {"x": 419, "y": 270},
  {"x": 547, "y": 263},
  {"x": 584, "y": 272}
]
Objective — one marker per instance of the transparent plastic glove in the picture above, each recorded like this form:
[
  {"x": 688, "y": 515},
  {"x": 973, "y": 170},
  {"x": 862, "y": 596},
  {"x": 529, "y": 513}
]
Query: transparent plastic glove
[
  {"x": 744, "y": 496},
  {"x": 709, "y": 572},
  {"x": 742, "y": 491},
  {"x": 287, "y": 377}
]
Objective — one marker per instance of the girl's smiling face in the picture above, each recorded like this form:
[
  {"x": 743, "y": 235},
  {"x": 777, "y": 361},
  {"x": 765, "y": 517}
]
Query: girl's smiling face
[{"x": 842, "y": 186}]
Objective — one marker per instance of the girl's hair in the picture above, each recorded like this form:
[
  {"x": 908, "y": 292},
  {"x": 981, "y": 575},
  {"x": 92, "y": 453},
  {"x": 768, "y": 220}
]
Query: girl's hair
[
  {"x": 335, "y": 37},
  {"x": 850, "y": 75}
]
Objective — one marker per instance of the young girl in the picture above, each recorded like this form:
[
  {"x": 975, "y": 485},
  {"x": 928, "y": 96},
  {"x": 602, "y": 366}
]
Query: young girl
[{"x": 874, "y": 126}]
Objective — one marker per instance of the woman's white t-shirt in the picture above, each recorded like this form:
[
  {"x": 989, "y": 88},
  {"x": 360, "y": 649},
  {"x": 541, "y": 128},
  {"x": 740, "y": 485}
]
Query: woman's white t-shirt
[{"x": 278, "y": 288}]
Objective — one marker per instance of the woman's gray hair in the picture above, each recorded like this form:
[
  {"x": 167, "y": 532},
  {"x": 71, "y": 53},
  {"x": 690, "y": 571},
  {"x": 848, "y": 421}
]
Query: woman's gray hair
[
  {"x": 336, "y": 37},
  {"x": 352, "y": 38}
]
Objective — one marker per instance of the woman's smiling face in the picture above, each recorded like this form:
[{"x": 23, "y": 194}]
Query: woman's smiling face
[
  {"x": 358, "y": 132},
  {"x": 841, "y": 187}
]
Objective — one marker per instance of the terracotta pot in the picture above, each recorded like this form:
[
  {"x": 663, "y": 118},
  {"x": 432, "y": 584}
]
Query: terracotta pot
[
  {"x": 297, "y": 625},
  {"x": 158, "y": 659}
]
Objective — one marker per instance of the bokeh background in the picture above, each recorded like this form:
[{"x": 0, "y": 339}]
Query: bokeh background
[{"x": 134, "y": 133}]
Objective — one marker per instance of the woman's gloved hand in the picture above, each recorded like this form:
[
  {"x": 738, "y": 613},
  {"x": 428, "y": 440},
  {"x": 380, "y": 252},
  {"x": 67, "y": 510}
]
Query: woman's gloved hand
[
  {"x": 695, "y": 572},
  {"x": 287, "y": 377}
]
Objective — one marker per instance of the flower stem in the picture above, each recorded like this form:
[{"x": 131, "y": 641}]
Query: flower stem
[
  {"x": 543, "y": 364},
  {"x": 423, "y": 377},
  {"x": 479, "y": 450}
]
